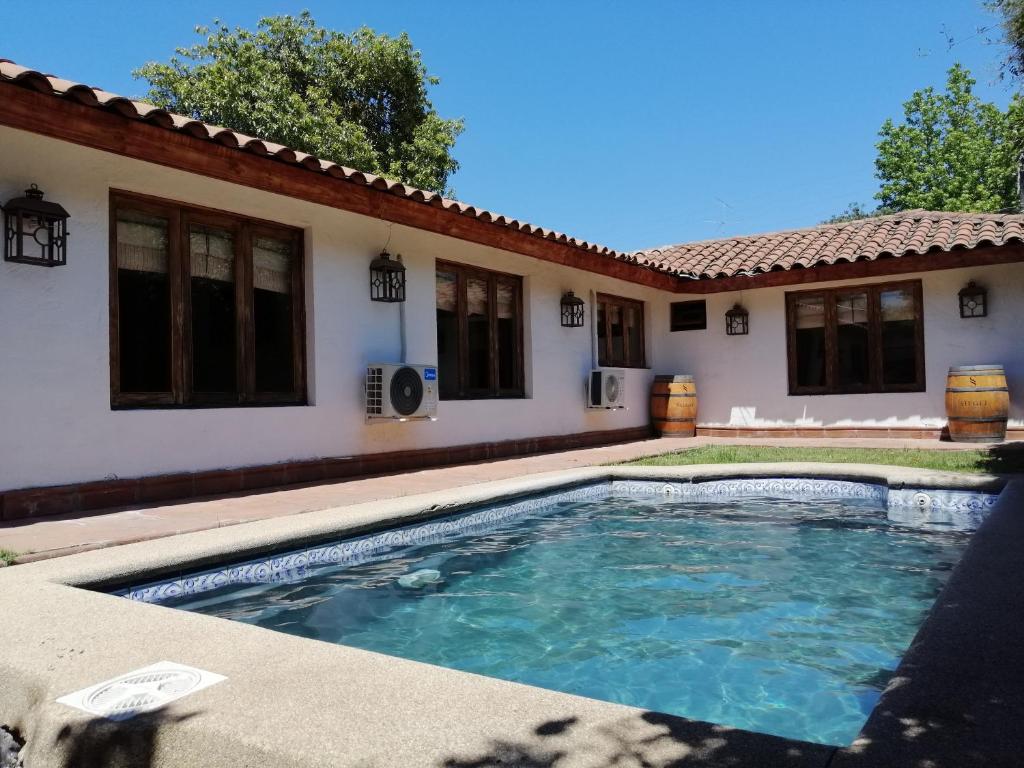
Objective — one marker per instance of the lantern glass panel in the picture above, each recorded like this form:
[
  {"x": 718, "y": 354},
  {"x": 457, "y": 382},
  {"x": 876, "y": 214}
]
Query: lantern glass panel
[
  {"x": 387, "y": 279},
  {"x": 973, "y": 301},
  {"x": 35, "y": 231},
  {"x": 572, "y": 311},
  {"x": 737, "y": 322}
]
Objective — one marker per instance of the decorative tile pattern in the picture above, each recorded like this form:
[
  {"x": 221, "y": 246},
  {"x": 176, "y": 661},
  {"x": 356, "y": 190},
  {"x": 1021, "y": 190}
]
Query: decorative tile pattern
[
  {"x": 776, "y": 488},
  {"x": 294, "y": 566},
  {"x": 956, "y": 510}
]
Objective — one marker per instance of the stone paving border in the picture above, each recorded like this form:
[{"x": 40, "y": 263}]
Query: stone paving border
[
  {"x": 66, "y": 534},
  {"x": 290, "y": 701}
]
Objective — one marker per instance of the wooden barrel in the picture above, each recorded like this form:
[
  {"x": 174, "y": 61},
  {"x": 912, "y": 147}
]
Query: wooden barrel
[
  {"x": 674, "y": 406},
  {"x": 977, "y": 403}
]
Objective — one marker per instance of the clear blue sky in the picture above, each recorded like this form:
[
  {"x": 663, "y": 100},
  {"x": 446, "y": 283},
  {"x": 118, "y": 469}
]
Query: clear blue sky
[{"x": 629, "y": 124}]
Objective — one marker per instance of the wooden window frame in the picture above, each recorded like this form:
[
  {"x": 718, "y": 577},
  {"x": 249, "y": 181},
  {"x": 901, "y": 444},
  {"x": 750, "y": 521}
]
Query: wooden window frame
[
  {"x": 876, "y": 380},
  {"x": 179, "y": 217},
  {"x": 675, "y": 327},
  {"x": 605, "y": 355},
  {"x": 462, "y": 274}
]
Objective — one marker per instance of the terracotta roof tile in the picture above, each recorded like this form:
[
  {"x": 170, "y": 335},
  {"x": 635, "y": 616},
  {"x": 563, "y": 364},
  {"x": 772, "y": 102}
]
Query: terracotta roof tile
[
  {"x": 96, "y": 97},
  {"x": 895, "y": 235},
  {"x": 910, "y": 232}
]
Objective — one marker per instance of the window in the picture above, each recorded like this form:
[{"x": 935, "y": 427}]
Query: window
[
  {"x": 479, "y": 333},
  {"x": 206, "y": 308},
  {"x": 859, "y": 339},
  {"x": 620, "y": 332},
  {"x": 689, "y": 315}
]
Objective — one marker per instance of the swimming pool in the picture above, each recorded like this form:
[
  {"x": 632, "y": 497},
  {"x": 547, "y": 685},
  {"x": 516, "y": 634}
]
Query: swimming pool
[{"x": 776, "y": 606}]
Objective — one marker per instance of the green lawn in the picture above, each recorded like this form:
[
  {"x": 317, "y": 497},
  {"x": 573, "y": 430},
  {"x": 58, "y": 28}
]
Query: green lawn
[{"x": 998, "y": 459}]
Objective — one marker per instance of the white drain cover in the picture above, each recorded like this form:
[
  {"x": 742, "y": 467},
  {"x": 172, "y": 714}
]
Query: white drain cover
[{"x": 141, "y": 691}]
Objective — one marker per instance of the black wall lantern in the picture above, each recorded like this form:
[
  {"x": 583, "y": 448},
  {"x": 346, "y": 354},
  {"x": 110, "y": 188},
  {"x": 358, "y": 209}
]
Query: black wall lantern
[
  {"x": 387, "y": 278},
  {"x": 35, "y": 231},
  {"x": 737, "y": 321},
  {"x": 572, "y": 311},
  {"x": 973, "y": 301}
]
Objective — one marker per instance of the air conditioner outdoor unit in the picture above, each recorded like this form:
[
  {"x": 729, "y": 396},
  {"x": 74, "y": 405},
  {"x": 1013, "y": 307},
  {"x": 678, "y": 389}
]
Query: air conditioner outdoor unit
[
  {"x": 606, "y": 388},
  {"x": 401, "y": 392}
]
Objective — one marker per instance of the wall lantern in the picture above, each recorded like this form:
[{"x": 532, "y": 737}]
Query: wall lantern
[
  {"x": 572, "y": 311},
  {"x": 973, "y": 301},
  {"x": 387, "y": 278},
  {"x": 737, "y": 321},
  {"x": 35, "y": 231}
]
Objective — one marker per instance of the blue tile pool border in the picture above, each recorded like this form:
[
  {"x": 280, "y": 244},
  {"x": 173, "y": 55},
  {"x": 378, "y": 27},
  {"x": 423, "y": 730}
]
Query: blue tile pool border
[{"x": 929, "y": 509}]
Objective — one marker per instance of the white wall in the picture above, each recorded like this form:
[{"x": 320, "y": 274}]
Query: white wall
[
  {"x": 56, "y": 424},
  {"x": 743, "y": 380}
]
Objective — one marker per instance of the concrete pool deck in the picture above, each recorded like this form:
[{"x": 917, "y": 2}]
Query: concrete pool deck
[
  {"x": 65, "y": 534},
  {"x": 957, "y": 699}
]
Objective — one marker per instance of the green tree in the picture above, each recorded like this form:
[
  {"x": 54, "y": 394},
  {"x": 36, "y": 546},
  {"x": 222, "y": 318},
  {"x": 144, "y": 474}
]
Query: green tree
[
  {"x": 952, "y": 152},
  {"x": 855, "y": 211},
  {"x": 358, "y": 99}
]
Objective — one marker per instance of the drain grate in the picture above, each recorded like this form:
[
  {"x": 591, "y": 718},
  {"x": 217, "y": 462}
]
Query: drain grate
[{"x": 141, "y": 691}]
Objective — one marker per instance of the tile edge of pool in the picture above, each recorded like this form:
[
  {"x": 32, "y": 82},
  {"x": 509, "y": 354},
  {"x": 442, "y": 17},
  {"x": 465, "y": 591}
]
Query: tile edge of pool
[{"x": 484, "y": 712}]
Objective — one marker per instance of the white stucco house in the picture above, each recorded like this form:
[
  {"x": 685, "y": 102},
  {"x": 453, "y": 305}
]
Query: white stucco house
[{"x": 212, "y": 326}]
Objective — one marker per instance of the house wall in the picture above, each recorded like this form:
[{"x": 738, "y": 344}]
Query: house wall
[
  {"x": 57, "y": 423},
  {"x": 57, "y": 426},
  {"x": 743, "y": 380}
]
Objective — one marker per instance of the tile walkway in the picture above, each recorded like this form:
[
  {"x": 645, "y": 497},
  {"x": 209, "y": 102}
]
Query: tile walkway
[{"x": 66, "y": 534}]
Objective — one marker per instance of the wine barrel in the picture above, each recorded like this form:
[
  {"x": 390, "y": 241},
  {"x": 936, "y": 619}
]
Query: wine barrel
[
  {"x": 674, "y": 406},
  {"x": 977, "y": 403}
]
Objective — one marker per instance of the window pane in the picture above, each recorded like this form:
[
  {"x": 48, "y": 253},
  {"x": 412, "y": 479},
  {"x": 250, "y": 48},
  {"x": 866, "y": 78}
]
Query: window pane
[
  {"x": 634, "y": 335},
  {"x": 618, "y": 338},
  {"x": 144, "y": 304},
  {"x": 899, "y": 337},
  {"x": 212, "y": 260},
  {"x": 810, "y": 341},
  {"x": 273, "y": 314},
  {"x": 507, "y": 311},
  {"x": 478, "y": 369},
  {"x": 602, "y": 334},
  {"x": 852, "y": 343},
  {"x": 447, "y": 334}
]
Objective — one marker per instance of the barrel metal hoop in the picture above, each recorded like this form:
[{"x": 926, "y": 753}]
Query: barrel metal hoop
[
  {"x": 980, "y": 419},
  {"x": 675, "y": 420},
  {"x": 673, "y": 394},
  {"x": 977, "y": 389}
]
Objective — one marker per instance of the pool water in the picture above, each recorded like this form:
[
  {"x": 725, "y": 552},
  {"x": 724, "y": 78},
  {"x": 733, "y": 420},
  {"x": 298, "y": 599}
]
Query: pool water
[{"x": 783, "y": 617}]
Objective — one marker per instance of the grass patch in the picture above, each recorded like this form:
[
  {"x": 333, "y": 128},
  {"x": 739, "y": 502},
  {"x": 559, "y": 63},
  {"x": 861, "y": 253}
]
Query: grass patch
[
  {"x": 994, "y": 460},
  {"x": 7, "y": 557}
]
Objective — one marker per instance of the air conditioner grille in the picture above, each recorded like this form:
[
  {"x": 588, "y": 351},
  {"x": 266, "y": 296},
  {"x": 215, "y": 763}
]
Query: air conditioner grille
[
  {"x": 406, "y": 391},
  {"x": 374, "y": 391}
]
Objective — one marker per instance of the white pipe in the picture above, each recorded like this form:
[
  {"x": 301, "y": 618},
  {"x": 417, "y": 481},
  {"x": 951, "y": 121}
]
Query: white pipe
[{"x": 401, "y": 326}]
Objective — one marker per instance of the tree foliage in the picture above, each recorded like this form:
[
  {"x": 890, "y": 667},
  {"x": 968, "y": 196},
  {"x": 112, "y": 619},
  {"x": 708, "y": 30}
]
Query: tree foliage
[
  {"x": 952, "y": 152},
  {"x": 359, "y": 99},
  {"x": 1011, "y": 13},
  {"x": 855, "y": 211}
]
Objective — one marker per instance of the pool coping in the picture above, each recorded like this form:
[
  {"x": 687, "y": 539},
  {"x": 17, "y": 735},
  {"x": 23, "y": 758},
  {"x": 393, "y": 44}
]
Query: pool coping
[{"x": 322, "y": 704}]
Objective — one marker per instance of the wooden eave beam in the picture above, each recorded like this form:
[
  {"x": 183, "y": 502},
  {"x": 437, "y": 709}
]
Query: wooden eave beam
[{"x": 108, "y": 131}]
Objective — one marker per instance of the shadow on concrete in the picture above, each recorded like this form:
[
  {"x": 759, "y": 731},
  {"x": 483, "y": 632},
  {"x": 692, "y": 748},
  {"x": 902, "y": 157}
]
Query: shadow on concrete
[
  {"x": 102, "y": 743},
  {"x": 649, "y": 739},
  {"x": 1005, "y": 459}
]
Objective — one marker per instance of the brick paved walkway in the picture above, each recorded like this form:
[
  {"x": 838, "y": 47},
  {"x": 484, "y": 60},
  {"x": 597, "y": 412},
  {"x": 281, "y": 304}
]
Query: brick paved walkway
[{"x": 65, "y": 534}]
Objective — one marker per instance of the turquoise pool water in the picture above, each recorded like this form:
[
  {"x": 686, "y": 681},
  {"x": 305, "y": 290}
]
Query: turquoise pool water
[{"x": 784, "y": 617}]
